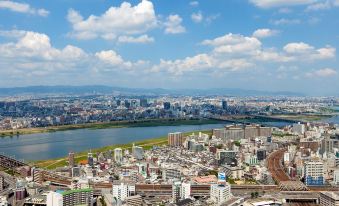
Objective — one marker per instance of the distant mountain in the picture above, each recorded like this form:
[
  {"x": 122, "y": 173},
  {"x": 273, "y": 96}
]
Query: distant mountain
[{"x": 98, "y": 89}]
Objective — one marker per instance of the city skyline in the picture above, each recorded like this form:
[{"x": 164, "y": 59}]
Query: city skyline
[{"x": 258, "y": 44}]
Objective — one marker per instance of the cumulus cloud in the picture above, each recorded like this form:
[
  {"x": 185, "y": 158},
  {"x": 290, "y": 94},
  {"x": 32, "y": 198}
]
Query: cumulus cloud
[
  {"x": 264, "y": 33},
  {"x": 139, "y": 40},
  {"x": 173, "y": 25},
  {"x": 197, "y": 17},
  {"x": 236, "y": 52},
  {"x": 194, "y": 3},
  {"x": 326, "y": 72},
  {"x": 284, "y": 21},
  {"x": 265, "y": 4},
  {"x": 33, "y": 54},
  {"x": 125, "y": 20},
  {"x": 22, "y": 8}
]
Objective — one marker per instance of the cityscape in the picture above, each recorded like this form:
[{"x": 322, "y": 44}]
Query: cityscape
[{"x": 169, "y": 103}]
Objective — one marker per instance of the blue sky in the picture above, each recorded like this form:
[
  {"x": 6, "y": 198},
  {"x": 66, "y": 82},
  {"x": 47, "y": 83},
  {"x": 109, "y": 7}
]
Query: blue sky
[{"x": 272, "y": 45}]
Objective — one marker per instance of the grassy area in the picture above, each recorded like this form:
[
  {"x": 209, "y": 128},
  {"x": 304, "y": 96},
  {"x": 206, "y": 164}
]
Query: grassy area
[
  {"x": 146, "y": 144},
  {"x": 304, "y": 117},
  {"x": 106, "y": 125}
]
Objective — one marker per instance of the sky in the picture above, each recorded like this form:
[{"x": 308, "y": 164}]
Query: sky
[{"x": 269, "y": 45}]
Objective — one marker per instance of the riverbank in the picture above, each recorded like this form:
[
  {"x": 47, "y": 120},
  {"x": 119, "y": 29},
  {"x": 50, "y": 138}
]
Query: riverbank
[
  {"x": 107, "y": 125},
  {"x": 146, "y": 144}
]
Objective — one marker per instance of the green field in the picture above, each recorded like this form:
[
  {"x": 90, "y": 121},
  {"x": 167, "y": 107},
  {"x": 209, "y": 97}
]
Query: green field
[
  {"x": 146, "y": 144},
  {"x": 106, "y": 125}
]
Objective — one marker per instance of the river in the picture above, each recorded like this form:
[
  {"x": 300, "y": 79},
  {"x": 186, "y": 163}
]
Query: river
[{"x": 59, "y": 144}]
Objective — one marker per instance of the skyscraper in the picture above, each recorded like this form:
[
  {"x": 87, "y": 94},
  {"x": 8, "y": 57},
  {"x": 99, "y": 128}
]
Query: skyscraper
[
  {"x": 175, "y": 139},
  {"x": 118, "y": 155},
  {"x": 90, "y": 159},
  {"x": 167, "y": 105},
  {"x": 71, "y": 162},
  {"x": 224, "y": 104},
  {"x": 220, "y": 193}
]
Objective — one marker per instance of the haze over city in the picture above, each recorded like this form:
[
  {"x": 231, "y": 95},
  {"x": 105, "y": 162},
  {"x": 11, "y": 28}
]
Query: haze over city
[
  {"x": 259, "y": 44},
  {"x": 169, "y": 103}
]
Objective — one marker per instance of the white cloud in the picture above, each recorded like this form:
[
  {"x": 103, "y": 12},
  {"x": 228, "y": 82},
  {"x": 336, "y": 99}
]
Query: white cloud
[
  {"x": 322, "y": 5},
  {"x": 140, "y": 39},
  {"x": 125, "y": 20},
  {"x": 197, "y": 17},
  {"x": 33, "y": 54},
  {"x": 264, "y": 33},
  {"x": 326, "y": 72},
  {"x": 22, "y": 8},
  {"x": 301, "y": 50},
  {"x": 173, "y": 25},
  {"x": 194, "y": 3},
  {"x": 280, "y": 3},
  {"x": 284, "y": 21},
  {"x": 235, "y": 52}
]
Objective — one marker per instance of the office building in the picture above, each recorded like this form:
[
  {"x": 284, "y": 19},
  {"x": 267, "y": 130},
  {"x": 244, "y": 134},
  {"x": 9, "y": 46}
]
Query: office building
[
  {"x": 226, "y": 157},
  {"x": 261, "y": 154},
  {"x": 90, "y": 159},
  {"x": 175, "y": 139},
  {"x": 118, "y": 155},
  {"x": 329, "y": 198},
  {"x": 167, "y": 105},
  {"x": 122, "y": 191},
  {"x": 220, "y": 193},
  {"x": 71, "y": 162},
  {"x": 314, "y": 173},
  {"x": 143, "y": 103},
  {"x": 224, "y": 104},
  {"x": 298, "y": 128},
  {"x": 138, "y": 152},
  {"x": 329, "y": 143},
  {"x": 54, "y": 199}
]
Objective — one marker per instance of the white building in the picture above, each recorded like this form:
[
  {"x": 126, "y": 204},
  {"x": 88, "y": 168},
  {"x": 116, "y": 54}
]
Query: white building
[
  {"x": 185, "y": 191},
  {"x": 122, "y": 191},
  {"x": 220, "y": 193},
  {"x": 336, "y": 177},
  {"x": 118, "y": 155},
  {"x": 3, "y": 201},
  {"x": 314, "y": 173},
  {"x": 298, "y": 128},
  {"x": 329, "y": 198},
  {"x": 54, "y": 199}
]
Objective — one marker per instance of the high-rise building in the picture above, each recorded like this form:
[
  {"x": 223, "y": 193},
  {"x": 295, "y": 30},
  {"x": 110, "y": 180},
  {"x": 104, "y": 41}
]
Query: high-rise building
[
  {"x": 118, "y": 155},
  {"x": 226, "y": 156},
  {"x": 122, "y": 191},
  {"x": 167, "y": 105},
  {"x": 143, "y": 103},
  {"x": 138, "y": 152},
  {"x": 224, "y": 104},
  {"x": 176, "y": 187},
  {"x": 90, "y": 159},
  {"x": 2, "y": 183},
  {"x": 54, "y": 199},
  {"x": 298, "y": 128},
  {"x": 220, "y": 193},
  {"x": 336, "y": 177},
  {"x": 314, "y": 173},
  {"x": 71, "y": 162},
  {"x": 261, "y": 154},
  {"x": 175, "y": 139},
  {"x": 185, "y": 191}
]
